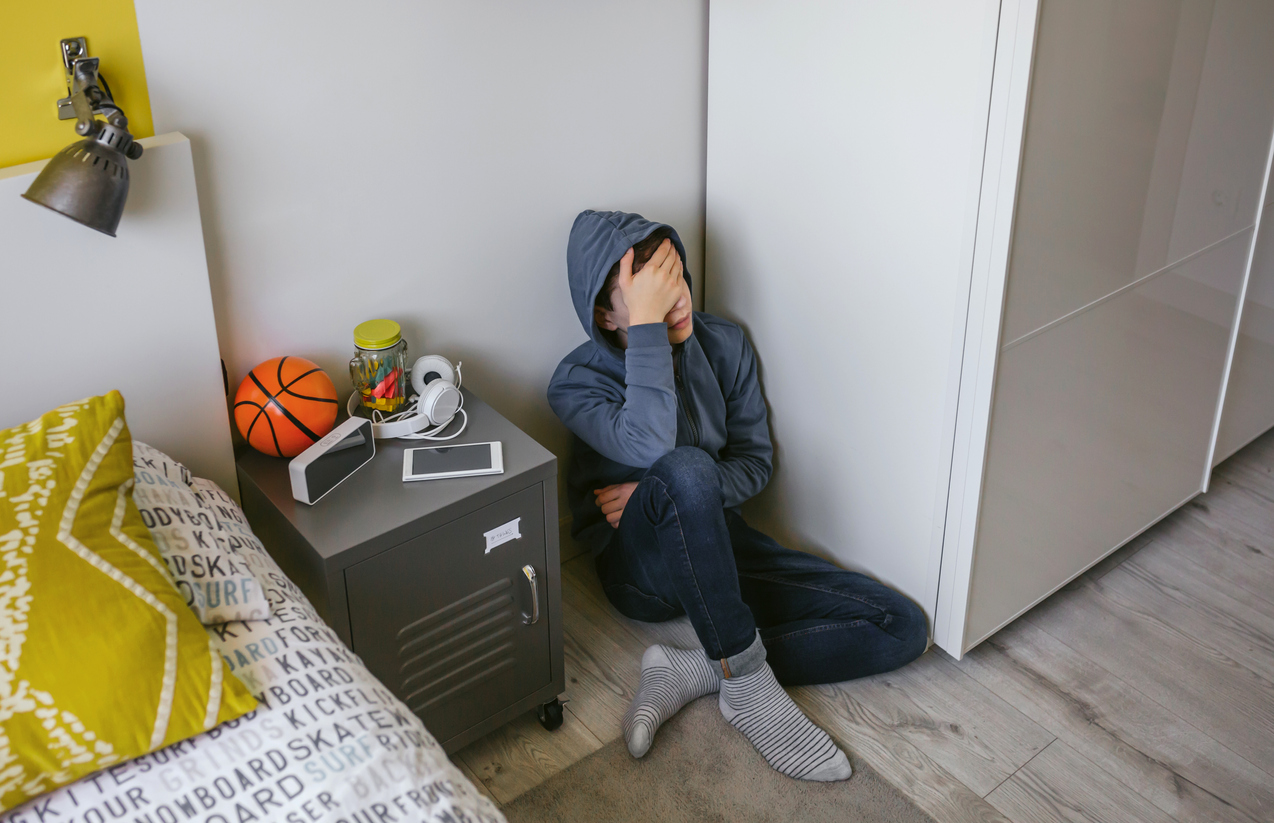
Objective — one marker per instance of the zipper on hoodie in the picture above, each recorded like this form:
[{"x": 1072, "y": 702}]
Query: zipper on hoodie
[{"x": 684, "y": 397}]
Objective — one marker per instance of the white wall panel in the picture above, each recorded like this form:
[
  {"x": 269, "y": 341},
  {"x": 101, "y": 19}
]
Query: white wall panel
[{"x": 844, "y": 157}]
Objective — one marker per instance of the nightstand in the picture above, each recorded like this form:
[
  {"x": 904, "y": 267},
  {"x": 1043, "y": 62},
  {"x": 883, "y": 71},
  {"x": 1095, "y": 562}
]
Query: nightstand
[{"x": 466, "y": 633}]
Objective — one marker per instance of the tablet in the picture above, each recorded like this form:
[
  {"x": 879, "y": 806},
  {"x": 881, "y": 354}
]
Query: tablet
[{"x": 466, "y": 460}]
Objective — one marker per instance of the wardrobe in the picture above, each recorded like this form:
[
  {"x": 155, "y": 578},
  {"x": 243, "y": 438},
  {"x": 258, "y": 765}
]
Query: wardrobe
[{"x": 1003, "y": 266}]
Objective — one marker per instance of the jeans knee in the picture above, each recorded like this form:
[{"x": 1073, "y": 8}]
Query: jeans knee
[
  {"x": 689, "y": 473},
  {"x": 910, "y": 627}
]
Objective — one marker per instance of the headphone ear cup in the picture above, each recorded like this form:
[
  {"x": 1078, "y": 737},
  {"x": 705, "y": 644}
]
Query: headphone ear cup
[
  {"x": 429, "y": 368},
  {"x": 439, "y": 402}
]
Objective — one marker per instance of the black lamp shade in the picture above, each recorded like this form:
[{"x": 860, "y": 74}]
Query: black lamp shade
[{"x": 87, "y": 181}]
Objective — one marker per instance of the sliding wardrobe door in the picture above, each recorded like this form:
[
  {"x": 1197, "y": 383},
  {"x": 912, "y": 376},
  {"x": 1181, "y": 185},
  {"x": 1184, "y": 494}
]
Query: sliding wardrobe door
[{"x": 1147, "y": 136}]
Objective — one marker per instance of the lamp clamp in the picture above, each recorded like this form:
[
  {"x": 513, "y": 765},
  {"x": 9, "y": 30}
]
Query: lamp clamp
[{"x": 88, "y": 96}]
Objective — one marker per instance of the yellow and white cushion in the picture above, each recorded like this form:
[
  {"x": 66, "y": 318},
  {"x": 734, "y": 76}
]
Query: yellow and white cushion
[{"x": 100, "y": 659}]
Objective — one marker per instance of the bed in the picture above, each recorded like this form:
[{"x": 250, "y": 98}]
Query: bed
[{"x": 326, "y": 741}]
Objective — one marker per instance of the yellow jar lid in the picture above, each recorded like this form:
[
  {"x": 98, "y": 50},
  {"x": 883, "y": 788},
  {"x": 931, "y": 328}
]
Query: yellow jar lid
[{"x": 377, "y": 334}]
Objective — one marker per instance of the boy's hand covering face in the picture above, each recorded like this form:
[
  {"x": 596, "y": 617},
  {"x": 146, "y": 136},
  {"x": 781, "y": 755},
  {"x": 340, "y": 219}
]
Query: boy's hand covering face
[
  {"x": 651, "y": 293},
  {"x": 612, "y": 500},
  {"x": 655, "y": 293}
]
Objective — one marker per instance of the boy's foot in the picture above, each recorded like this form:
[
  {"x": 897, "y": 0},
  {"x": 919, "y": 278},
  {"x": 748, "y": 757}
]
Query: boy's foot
[
  {"x": 670, "y": 678},
  {"x": 756, "y": 705}
]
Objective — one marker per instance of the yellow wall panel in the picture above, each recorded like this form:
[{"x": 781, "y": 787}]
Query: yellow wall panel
[{"x": 32, "y": 78}]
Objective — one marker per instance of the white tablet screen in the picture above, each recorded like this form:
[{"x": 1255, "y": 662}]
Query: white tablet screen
[{"x": 469, "y": 457}]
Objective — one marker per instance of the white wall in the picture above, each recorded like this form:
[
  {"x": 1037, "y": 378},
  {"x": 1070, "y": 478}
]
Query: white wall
[
  {"x": 844, "y": 155},
  {"x": 423, "y": 161}
]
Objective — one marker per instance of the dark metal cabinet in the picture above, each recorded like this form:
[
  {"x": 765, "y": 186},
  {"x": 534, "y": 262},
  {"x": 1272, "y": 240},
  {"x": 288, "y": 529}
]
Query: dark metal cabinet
[
  {"x": 452, "y": 628},
  {"x": 449, "y": 590}
]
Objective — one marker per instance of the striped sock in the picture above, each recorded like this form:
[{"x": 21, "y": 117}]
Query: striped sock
[
  {"x": 670, "y": 678},
  {"x": 756, "y": 705}
]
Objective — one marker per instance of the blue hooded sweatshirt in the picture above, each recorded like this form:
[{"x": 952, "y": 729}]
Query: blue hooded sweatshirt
[{"x": 626, "y": 407}]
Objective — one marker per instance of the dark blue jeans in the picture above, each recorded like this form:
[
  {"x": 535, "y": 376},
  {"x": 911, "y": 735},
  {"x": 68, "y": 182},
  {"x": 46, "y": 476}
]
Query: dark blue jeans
[{"x": 679, "y": 551}]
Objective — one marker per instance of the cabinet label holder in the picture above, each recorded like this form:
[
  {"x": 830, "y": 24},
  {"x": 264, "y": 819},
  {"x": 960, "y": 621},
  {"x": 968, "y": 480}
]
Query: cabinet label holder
[{"x": 503, "y": 534}]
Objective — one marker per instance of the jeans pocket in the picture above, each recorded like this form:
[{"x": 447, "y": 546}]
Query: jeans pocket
[{"x": 638, "y": 605}]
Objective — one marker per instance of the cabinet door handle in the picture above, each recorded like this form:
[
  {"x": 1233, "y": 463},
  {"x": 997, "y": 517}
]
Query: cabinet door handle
[{"x": 534, "y": 616}]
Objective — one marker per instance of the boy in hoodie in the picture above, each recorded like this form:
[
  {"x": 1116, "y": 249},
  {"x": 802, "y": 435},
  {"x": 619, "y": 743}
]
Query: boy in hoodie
[{"x": 670, "y": 439}]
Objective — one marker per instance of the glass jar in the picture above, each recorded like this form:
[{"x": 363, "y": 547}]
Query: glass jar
[{"x": 379, "y": 367}]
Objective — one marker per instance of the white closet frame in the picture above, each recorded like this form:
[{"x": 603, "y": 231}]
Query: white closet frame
[{"x": 1006, "y": 130}]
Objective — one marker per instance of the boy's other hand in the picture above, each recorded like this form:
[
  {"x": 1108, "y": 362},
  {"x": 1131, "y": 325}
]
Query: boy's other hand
[
  {"x": 612, "y": 500},
  {"x": 655, "y": 288}
]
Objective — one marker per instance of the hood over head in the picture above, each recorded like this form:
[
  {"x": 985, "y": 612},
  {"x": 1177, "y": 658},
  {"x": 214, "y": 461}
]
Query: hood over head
[{"x": 598, "y": 239}]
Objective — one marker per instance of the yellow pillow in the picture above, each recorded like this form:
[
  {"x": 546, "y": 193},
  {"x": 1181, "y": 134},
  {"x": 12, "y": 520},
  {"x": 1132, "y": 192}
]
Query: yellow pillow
[{"x": 100, "y": 659}]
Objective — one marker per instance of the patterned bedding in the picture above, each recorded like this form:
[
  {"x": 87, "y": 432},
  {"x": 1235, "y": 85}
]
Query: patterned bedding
[{"x": 327, "y": 743}]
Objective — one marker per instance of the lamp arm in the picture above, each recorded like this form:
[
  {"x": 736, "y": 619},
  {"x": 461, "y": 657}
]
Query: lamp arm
[{"x": 88, "y": 96}]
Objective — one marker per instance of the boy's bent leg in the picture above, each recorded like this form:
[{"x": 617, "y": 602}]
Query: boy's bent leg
[
  {"x": 822, "y": 623},
  {"x": 671, "y": 554},
  {"x": 674, "y": 541},
  {"x": 673, "y": 547}
]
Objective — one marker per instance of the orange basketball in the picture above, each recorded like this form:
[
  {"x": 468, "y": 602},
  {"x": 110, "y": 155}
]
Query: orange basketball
[{"x": 284, "y": 406}]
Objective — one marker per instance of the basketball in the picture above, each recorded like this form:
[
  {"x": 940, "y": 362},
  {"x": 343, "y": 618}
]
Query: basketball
[{"x": 284, "y": 406}]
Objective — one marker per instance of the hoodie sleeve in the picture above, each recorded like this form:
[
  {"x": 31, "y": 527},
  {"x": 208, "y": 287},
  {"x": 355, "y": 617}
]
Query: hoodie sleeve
[
  {"x": 746, "y": 461},
  {"x": 634, "y": 424}
]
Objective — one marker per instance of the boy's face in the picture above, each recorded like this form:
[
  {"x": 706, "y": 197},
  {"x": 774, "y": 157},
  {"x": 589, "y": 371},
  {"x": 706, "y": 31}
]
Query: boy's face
[{"x": 680, "y": 319}]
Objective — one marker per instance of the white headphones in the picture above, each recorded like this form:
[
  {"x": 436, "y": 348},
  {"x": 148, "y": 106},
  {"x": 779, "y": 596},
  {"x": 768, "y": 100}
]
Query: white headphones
[{"x": 430, "y": 410}]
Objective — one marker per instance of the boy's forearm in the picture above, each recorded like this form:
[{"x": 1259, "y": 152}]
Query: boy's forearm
[
  {"x": 650, "y": 410},
  {"x": 648, "y": 358}
]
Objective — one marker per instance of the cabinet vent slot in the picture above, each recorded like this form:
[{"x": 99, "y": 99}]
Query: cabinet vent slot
[
  {"x": 417, "y": 627},
  {"x": 422, "y": 655},
  {"x": 457, "y": 646},
  {"x": 439, "y": 666},
  {"x": 476, "y": 670}
]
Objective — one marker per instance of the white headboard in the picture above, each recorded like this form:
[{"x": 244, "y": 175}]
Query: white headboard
[{"x": 84, "y": 313}]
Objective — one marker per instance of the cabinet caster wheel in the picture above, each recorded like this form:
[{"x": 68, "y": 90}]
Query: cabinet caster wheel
[{"x": 550, "y": 714}]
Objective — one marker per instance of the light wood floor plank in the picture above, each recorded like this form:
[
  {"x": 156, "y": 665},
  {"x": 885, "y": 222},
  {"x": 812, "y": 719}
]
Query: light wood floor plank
[
  {"x": 475, "y": 780},
  {"x": 914, "y": 773},
  {"x": 1219, "y": 697},
  {"x": 953, "y": 719},
  {"x": 1255, "y": 477},
  {"x": 1061, "y": 785},
  {"x": 1236, "y": 510},
  {"x": 1237, "y": 560},
  {"x": 1197, "y": 602},
  {"x": 1125, "y": 734},
  {"x": 603, "y": 664},
  {"x": 521, "y": 754}
]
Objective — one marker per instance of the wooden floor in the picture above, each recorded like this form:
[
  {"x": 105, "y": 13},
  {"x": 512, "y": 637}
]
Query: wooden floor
[{"x": 1143, "y": 691}]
